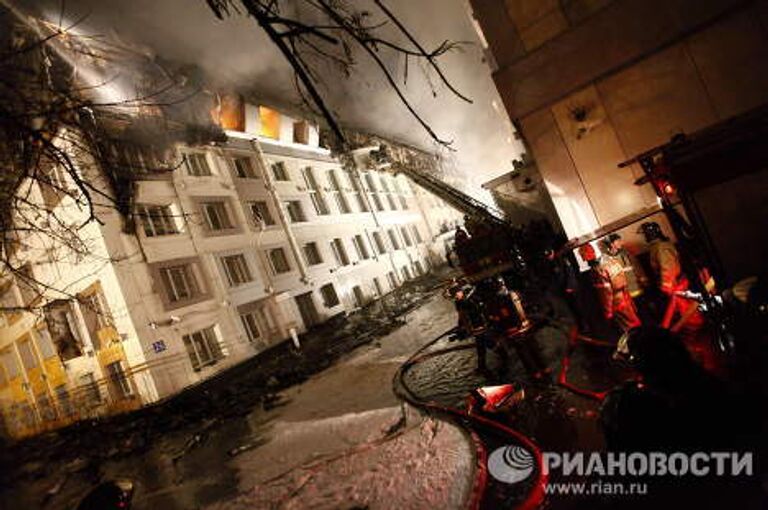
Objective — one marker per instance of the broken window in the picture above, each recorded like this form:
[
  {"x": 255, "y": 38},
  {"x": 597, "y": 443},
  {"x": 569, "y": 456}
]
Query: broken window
[{"x": 203, "y": 348}]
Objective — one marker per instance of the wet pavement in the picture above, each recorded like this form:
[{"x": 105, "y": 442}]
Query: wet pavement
[
  {"x": 230, "y": 442},
  {"x": 272, "y": 435}
]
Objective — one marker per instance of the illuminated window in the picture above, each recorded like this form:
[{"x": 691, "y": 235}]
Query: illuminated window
[{"x": 270, "y": 122}]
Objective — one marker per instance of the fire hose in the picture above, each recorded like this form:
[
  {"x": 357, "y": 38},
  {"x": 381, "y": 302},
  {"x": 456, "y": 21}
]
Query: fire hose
[{"x": 535, "y": 497}]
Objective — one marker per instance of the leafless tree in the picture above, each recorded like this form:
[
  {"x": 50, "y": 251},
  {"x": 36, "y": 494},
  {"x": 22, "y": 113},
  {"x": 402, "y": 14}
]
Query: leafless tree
[
  {"x": 58, "y": 143},
  {"x": 310, "y": 33}
]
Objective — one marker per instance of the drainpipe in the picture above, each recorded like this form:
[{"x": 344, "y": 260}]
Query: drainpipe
[{"x": 284, "y": 222}]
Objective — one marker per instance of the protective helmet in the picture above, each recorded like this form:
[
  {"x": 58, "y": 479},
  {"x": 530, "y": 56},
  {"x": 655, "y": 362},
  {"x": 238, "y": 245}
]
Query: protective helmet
[{"x": 651, "y": 230}]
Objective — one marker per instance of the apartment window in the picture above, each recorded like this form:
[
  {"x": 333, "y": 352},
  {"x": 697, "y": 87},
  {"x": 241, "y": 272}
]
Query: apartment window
[
  {"x": 417, "y": 267},
  {"x": 243, "y": 167},
  {"x": 8, "y": 361},
  {"x": 45, "y": 344},
  {"x": 339, "y": 253},
  {"x": 360, "y": 247},
  {"x": 251, "y": 326},
  {"x": 406, "y": 236},
  {"x": 378, "y": 287},
  {"x": 359, "y": 296},
  {"x": 119, "y": 380},
  {"x": 330, "y": 298},
  {"x": 381, "y": 248},
  {"x": 237, "y": 270},
  {"x": 377, "y": 202},
  {"x": 301, "y": 132},
  {"x": 295, "y": 211},
  {"x": 261, "y": 213},
  {"x": 28, "y": 358},
  {"x": 65, "y": 402},
  {"x": 361, "y": 203},
  {"x": 392, "y": 279},
  {"x": 391, "y": 201},
  {"x": 95, "y": 314},
  {"x": 318, "y": 201},
  {"x": 338, "y": 193},
  {"x": 393, "y": 239},
  {"x": 203, "y": 348},
  {"x": 158, "y": 220},
  {"x": 279, "y": 171},
  {"x": 45, "y": 407},
  {"x": 197, "y": 164},
  {"x": 217, "y": 216},
  {"x": 92, "y": 393},
  {"x": 406, "y": 273},
  {"x": 179, "y": 282},
  {"x": 278, "y": 261},
  {"x": 416, "y": 234},
  {"x": 403, "y": 203},
  {"x": 312, "y": 254}
]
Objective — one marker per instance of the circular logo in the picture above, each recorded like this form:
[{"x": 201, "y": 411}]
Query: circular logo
[{"x": 510, "y": 464}]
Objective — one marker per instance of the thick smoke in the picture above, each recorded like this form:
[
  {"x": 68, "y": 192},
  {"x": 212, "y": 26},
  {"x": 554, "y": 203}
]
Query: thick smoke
[{"x": 235, "y": 54}]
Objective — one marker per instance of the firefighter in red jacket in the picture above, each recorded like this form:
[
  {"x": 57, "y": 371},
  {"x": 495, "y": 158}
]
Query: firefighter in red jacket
[{"x": 610, "y": 282}]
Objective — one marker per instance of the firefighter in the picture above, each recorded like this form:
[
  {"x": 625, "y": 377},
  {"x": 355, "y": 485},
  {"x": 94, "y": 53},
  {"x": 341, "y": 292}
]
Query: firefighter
[
  {"x": 472, "y": 322},
  {"x": 670, "y": 280},
  {"x": 564, "y": 273},
  {"x": 509, "y": 325},
  {"x": 682, "y": 314},
  {"x": 614, "y": 247},
  {"x": 610, "y": 282}
]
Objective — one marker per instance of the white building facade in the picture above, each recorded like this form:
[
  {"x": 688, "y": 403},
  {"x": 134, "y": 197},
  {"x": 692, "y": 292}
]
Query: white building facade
[{"x": 247, "y": 243}]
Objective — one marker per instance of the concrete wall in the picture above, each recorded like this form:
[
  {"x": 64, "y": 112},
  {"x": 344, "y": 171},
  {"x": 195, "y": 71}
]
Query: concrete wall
[{"x": 618, "y": 79}]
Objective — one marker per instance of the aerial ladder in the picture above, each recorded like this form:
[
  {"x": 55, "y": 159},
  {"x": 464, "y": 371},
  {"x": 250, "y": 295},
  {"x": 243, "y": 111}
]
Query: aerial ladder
[{"x": 492, "y": 246}]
